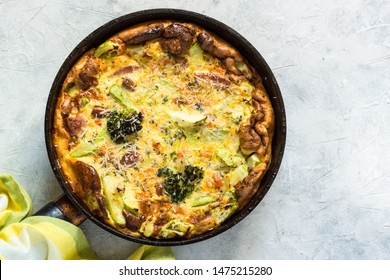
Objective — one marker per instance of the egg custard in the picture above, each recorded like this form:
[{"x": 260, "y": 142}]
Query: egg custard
[{"x": 164, "y": 130}]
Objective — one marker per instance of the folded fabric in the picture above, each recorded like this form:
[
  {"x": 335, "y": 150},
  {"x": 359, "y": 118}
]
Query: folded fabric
[
  {"x": 44, "y": 238},
  {"x": 15, "y": 203},
  {"x": 146, "y": 252},
  {"x": 47, "y": 238}
]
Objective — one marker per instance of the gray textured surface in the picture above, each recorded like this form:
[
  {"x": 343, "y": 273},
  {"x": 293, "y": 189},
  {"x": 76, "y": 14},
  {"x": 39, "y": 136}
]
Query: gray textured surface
[{"x": 331, "y": 199}]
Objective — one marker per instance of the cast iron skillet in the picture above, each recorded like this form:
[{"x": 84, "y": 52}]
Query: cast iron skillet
[{"x": 68, "y": 207}]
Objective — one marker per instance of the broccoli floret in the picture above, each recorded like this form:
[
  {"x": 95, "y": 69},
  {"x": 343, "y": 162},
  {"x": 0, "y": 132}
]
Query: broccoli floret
[
  {"x": 122, "y": 124},
  {"x": 164, "y": 172},
  {"x": 179, "y": 185}
]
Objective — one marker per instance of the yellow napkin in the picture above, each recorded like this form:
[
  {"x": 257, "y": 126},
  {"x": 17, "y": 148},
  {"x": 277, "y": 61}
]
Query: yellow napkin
[
  {"x": 15, "y": 203},
  {"x": 39, "y": 237},
  {"x": 146, "y": 252}
]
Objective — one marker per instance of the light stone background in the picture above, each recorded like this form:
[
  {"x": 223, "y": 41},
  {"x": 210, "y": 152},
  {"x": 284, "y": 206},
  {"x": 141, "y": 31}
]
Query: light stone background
[{"x": 331, "y": 198}]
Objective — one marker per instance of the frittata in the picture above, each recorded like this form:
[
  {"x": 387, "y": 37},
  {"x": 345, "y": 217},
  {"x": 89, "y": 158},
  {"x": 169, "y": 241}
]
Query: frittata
[{"x": 164, "y": 130}]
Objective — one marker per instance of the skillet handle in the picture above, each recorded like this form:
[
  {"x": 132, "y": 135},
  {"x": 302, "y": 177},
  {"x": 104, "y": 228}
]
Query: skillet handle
[{"x": 62, "y": 209}]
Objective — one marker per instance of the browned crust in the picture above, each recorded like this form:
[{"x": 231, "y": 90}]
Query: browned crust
[{"x": 255, "y": 135}]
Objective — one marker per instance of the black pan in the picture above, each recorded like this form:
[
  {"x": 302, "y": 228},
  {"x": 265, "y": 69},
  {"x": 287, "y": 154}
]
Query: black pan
[{"x": 70, "y": 208}]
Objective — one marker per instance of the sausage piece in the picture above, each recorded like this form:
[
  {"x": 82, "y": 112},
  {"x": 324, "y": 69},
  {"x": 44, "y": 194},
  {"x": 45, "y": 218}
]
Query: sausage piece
[
  {"x": 227, "y": 55},
  {"x": 246, "y": 189},
  {"x": 250, "y": 141},
  {"x": 130, "y": 157},
  {"x": 125, "y": 70},
  {"x": 67, "y": 105},
  {"x": 141, "y": 34},
  {"x": 129, "y": 84},
  {"x": 132, "y": 221},
  {"x": 258, "y": 110},
  {"x": 231, "y": 66},
  {"x": 87, "y": 77},
  {"x": 207, "y": 43},
  {"x": 90, "y": 182},
  {"x": 88, "y": 177},
  {"x": 99, "y": 112},
  {"x": 214, "y": 79},
  {"x": 177, "y": 39},
  {"x": 75, "y": 125}
]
